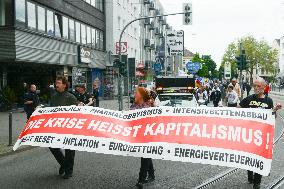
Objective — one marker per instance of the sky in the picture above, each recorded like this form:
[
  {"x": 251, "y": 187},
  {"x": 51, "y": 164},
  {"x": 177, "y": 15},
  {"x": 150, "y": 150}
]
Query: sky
[{"x": 216, "y": 23}]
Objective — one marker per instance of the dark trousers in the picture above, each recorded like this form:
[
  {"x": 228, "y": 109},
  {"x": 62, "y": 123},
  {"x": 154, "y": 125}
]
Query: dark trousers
[
  {"x": 215, "y": 103},
  {"x": 97, "y": 103},
  {"x": 146, "y": 169},
  {"x": 67, "y": 161},
  {"x": 254, "y": 177},
  {"x": 232, "y": 105}
]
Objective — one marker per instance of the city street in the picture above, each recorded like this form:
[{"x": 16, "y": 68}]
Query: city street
[{"x": 37, "y": 168}]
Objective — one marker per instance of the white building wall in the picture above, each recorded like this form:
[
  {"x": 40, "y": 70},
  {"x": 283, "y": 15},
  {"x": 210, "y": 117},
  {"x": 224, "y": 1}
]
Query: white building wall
[
  {"x": 118, "y": 14},
  {"x": 281, "y": 55}
]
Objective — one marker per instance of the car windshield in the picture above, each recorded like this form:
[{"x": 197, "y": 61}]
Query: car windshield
[{"x": 177, "y": 100}]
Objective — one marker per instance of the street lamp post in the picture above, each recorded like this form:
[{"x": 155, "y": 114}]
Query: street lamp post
[{"x": 120, "y": 99}]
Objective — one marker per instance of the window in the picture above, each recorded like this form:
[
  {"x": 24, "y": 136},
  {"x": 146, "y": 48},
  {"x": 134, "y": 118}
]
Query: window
[
  {"x": 94, "y": 37},
  {"x": 89, "y": 35},
  {"x": 97, "y": 39},
  {"x": 20, "y": 12},
  {"x": 71, "y": 30},
  {"x": 78, "y": 32},
  {"x": 40, "y": 19},
  {"x": 101, "y": 40},
  {"x": 88, "y": 1},
  {"x": 65, "y": 27},
  {"x": 31, "y": 15},
  {"x": 83, "y": 34},
  {"x": 49, "y": 23},
  {"x": 57, "y": 26},
  {"x": 93, "y": 3}
]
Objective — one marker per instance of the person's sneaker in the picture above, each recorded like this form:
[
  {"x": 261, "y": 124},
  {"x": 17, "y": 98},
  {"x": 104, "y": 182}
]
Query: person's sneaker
[
  {"x": 67, "y": 175},
  {"x": 256, "y": 186},
  {"x": 61, "y": 171},
  {"x": 151, "y": 178},
  {"x": 139, "y": 185}
]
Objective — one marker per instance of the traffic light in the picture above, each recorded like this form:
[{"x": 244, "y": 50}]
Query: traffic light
[
  {"x": 242, "y": 62},
  {"x": 187, "y": 17},
  {"x": 239, "y": 62}
]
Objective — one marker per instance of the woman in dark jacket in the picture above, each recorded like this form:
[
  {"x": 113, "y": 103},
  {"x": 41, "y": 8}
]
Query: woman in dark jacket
[{"x": 143, "y": 100}]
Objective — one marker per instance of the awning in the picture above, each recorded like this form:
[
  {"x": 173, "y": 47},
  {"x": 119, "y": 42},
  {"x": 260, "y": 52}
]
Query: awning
[{"x": 99, "y": 60}]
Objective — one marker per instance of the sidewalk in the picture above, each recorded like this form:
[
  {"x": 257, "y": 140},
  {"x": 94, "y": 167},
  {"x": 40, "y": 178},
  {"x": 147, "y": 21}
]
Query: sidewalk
[{"x": 19, "y": 120}]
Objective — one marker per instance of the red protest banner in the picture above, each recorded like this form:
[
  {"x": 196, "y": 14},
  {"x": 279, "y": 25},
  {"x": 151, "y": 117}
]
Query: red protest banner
[{"x": 240, "y": 138}]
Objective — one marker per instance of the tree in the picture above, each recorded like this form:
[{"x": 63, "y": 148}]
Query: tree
[{"x": 257, "y": 53}]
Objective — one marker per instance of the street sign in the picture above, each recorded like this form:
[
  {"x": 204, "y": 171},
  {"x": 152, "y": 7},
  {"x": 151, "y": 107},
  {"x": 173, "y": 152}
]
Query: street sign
[
  {"x": 193, "y": 67},
  {"x": 187, "y": 17},
  {"x": 123, "y": 47},
  {"x": 227, "y": 70},
  {"x": 175, "y": 43},
  {"x": 157, "y": 67}
]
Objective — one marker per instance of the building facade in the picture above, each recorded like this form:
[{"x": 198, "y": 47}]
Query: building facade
[
  {"x": 42, "y": 39},
  {"x": 153, "y": 38},
  {"x": 281, "y": 54}
]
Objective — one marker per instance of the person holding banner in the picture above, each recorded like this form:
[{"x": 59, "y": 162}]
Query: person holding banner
[
  {"x": 63, "y": 98},
  {"x": 84, "y": 98},
  {"x": 258, "y": 100},
  {"x": 143, "y": 100}
]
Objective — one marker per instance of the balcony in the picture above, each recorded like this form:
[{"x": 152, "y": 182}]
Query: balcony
[
  {"x": 147, "y": 43},
  {"x": 152, "y": 6},
  {"x": 157, "y": 31},
  {"x": 146, "y": 2},
  {"x": 157, "y": 12},
  {"x": 147, "y": 21},
  {"x": 168, "y": 27},
  {"x": 164, "y": 22},
  {"x": 152, "y": 44},
  {"x": 152, "y": 26}
]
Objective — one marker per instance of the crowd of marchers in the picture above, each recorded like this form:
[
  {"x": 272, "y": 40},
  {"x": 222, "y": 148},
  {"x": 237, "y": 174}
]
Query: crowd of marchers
[{"x": 227, "y": 93}]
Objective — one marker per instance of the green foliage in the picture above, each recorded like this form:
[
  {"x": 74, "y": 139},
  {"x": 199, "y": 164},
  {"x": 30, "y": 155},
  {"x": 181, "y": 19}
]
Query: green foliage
[
  {"x": 208, "y": 65},
  {"x": 8, "y": 96},
  {"x": 257, "y": 52}
]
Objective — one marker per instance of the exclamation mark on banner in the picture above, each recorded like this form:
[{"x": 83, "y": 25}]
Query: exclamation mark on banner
[{"x": 267, "y": 141}]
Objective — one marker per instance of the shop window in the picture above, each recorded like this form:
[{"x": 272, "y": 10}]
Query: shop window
[
  {"x": 89, "y": 35},
  {"x": 31, "y": 15},
  {"x": 41, "y": 18},
  {"x": 94, "y": 37},
  {"x": 78, "y": 32},
  {"x": 65, "y": 27},
  {"x": 58, "y": 29},
  {"x": 20, "y": 12},
  {"x": 49, "y": 22},
  {"x": 71, "y": 30},
  {"x": 83, "y": 34}
]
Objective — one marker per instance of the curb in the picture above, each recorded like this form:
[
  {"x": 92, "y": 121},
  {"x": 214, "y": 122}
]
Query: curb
[{"x": 17, "y": 151}]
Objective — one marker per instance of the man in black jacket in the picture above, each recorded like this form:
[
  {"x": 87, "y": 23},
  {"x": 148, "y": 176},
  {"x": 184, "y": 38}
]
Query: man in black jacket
[
  {"x": 63, "y": 98},
  {"x": 31, "y": 101},
  {"x": 258, "y": 100}
]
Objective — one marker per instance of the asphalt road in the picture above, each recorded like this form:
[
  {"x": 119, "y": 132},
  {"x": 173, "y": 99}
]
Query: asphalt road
[{"x": 38, "y": 169}]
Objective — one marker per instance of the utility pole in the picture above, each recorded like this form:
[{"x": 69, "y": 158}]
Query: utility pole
[{"x": 120, "y": 96}]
